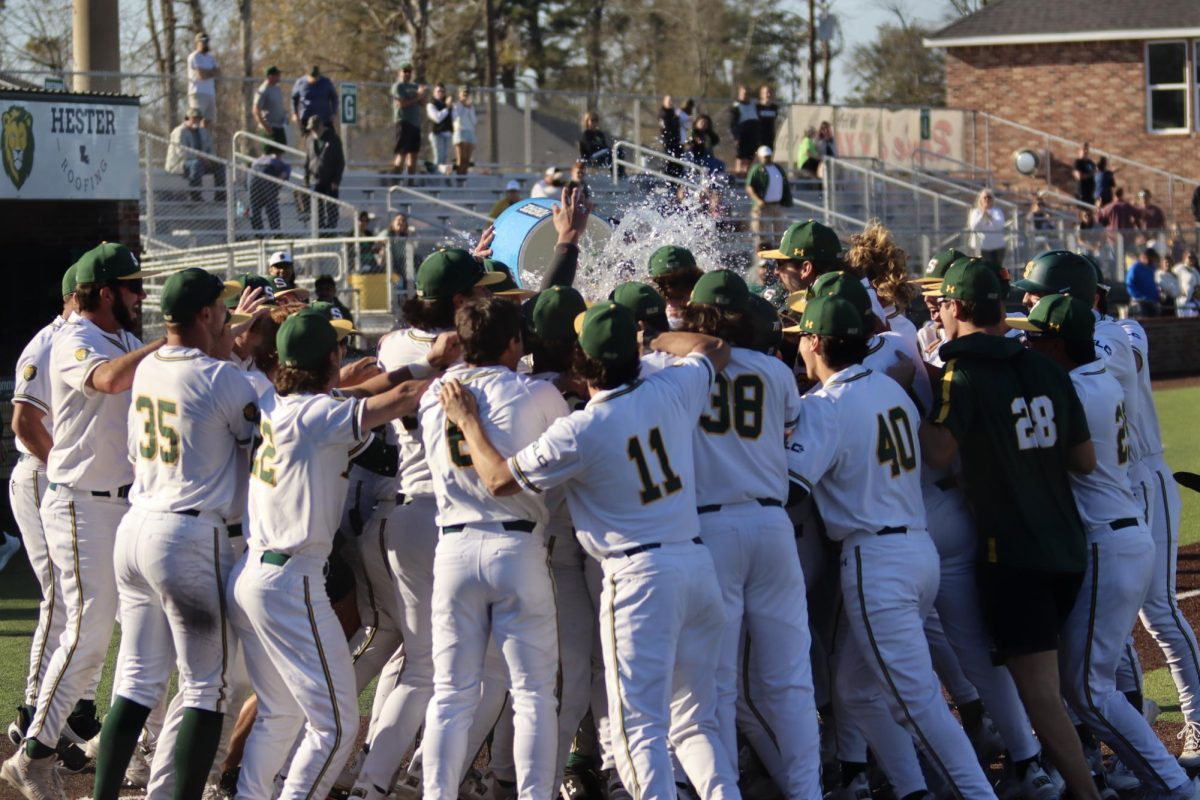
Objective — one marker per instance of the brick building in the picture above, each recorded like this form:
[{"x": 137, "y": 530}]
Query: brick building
[{"x": 1122, "y": 75}]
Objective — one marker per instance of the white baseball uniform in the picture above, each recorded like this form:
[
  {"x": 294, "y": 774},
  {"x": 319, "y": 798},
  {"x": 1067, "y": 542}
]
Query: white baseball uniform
[
  {"x": 491, "y": 580},
  {"x": 296, "y": 651},
  {"x": 1118, "y": 573},
  {"x": 857, "y": 439},
  {"x": 887, "y": 349},
  {"x": 898, "y": 323},
  {"x": 89, "y": 475},
  {"x": 626, "y": 464},
  {"x": 741, "y": 489},
  {"x": 930, "y": 339},
  {"x": 26, "y": 486}
]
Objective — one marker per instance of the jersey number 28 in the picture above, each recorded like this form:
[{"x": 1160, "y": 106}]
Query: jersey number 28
[{"x": 1034, "y": 422}]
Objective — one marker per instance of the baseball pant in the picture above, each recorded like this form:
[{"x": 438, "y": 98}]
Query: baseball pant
[
  {"x": 764, "y": 650},
  {"x": 492, "y": 583},
  {"x": 945, "y": 662},
  {"x": 299, "y": 666},
  {"x": 26, "y": 486},
  {"x": 378, "y": 608},
  {"x": 1119, "y": 570},
  {"x": 889, "y": 583},
  {"x": 81, "y": 531},
  {"x": 593, "y": 575},
  {"x": 661, "y": 620},
  {"x": 1160, "y": 612},
  {"x": 411, "y": 536}
]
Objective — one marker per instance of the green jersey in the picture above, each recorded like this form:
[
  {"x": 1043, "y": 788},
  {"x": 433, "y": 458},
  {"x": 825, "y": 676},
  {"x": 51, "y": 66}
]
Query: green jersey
[
  {"x": 410, "y": 114},
  {"x": 1015, "y": 415}
]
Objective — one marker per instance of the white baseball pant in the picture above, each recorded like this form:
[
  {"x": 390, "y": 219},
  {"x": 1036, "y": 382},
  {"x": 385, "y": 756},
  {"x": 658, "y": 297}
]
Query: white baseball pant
[
  {"x": 378, "y": 608},
  {"x": 81, "y": 531},
  {"x": 26, "y": 486},
  {"x": 300, "y": 668},
  {"x": 1119, "y": 569},
  {"x": 764, "y": 650},
  {"x": 661, "y": 620},
  {"x": 945, "y": 662},
  {"x": 593, "y": 575}
]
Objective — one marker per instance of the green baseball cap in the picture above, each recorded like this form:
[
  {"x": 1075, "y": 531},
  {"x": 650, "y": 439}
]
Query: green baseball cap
[
  {"x": 187, "y": 292},
  {"x": 723, "y": 288},
  {"x": 337, "y": 319},
  {"x": 305, "y": 340},
  {"x": 553, "y": 315},
  {"x": 449, "y": 272},
  {"x": 669, "y": 258},
  {"x": 968, "y": 279},
  {"x": 644, "y": 301},
  {"x": 1058, "y": 315},
  {"x": 1060, "y": 272},
  {"x": 68, "y": 281},
  {"x": 831, "y": 315},
  {"x": 246, "y": 281},
  {"x": 609, "y": 333},
  {"x": 807, "y": 241},
  {"x": 768, "y": 327},
  {"x": 844, "y": 285},
  {"x": 508, "y": 286},
  {"x": 106, "y": 262},
  {"x": 935, "y": 270}
]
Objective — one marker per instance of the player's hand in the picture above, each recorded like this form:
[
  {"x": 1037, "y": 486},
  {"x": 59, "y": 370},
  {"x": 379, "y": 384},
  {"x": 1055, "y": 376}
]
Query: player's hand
[
  {"x": 459, "y": 403},
  {"x": 484, "y": 248},
  {"x": 358, "y": 371},
  {"x": 252, "y": 302},
  {"x": 446, "y": 350},
  {"x": 570, "y": 218}
]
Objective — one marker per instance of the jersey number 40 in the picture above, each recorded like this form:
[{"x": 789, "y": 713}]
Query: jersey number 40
[{"x": 894, "y": 445}]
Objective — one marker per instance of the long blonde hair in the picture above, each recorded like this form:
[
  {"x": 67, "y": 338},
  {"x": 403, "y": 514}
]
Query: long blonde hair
[{"x": 874, "y": 255}]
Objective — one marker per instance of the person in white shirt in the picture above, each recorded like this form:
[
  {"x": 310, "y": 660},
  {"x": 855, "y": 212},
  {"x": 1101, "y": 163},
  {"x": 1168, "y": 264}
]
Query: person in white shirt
[
  {"x": 548, "y": 186},
  {"x": 1188, "y": 273},
  {"x": 202, "y": 84},
  {"x": 986, "y": 224},
  {"x": 463, "y": 138},
  {"x": 770, "y": 193},
  {"x": 438, "y": 110}
]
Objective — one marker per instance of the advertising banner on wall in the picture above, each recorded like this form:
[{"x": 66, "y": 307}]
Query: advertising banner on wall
[
  {"x": 891, "y": 135},
  {"x": 61, "y": 146}
]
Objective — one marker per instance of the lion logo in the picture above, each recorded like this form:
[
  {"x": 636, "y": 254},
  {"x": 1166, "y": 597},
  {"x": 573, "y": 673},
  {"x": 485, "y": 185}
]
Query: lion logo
[{"x": 17, "y": 125}]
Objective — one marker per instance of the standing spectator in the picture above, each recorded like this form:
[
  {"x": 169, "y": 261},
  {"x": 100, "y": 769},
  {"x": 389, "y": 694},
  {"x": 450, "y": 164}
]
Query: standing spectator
[
  {"x": 397, "y": 236},
  {"x": 202, "y": 83},
  {"x": 743, "y": 124},
  {"x": 669, "y": 133},
  {"x": 438, "y": 112},
  {"x": 986, "y": 223},
  {"x": 1105, "y": 182},
  {"x": 1120, "y": 218},
  {"x": 1169, "y": 290},
  {"x": 1084, "y": 172},
  {"x": 264, "y": 194},
  {"x": 826, "y": 144},
  {"x": 189, "y": 142},
  {"x": 768, "y": 114},
  {"x": 314, "y": 95},
  {"x": 1188, "y": 273},
  {"x": 686, "y": 114},
  {"x": 406, "y": 115},
  {"x": 512, "y": 193},
  {"x": 269, "y": 110},
  {"x": 324, "y": 163},
  {"x": 1154, "y": 221},
  {"x": 808, "y": 155},
  {"x": 1141, "y": 285},
  {"x": 768, "y": 188},
  {"x": 594, "y": 147},
  {"x": 463, "y": 115},
  {"x": 549, "y": 186}
]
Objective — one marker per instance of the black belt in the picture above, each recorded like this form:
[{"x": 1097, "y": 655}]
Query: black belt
[
  {"x": 1125, "y": 522},
  {"x": 765, "y": 502},
  {"x": 522, "y": 525},
  {"x": 122, "y": 493},
  {"x": 947, "y": 483},
  {"x": 888, "y": 531},
  {"x": 645, "y": 548},
  {"x": 191, "y": 512},
  {"x": 234, "y": 530},
  {"x": 275, "y": 559}
]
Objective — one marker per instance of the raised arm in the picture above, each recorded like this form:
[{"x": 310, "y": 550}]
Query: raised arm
[
  {"x": 683, "y": 343},
  {"x": 399, "y": 401}
]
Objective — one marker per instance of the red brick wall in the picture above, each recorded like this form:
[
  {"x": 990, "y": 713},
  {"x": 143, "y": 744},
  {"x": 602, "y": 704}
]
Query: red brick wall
[
  {"x": 1173, "y": 348},
  {"x": 1083, "y": 92}
]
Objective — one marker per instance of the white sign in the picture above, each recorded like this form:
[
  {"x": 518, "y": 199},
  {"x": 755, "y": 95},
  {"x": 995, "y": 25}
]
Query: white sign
[
  {"x": 67, "y": 147},
  {"x": 891, "y": 135}
]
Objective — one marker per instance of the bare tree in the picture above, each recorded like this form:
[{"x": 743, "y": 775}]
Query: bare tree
[
  {"x": 965, "y": 8},
  {"x": 37, "y": 34}
]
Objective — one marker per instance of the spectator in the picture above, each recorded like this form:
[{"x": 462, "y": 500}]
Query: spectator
[
  {"x": 512, "y": 193},
  {"x": 768, "y": 114},
  {"x": 549, "y": 186},
  {"x": 579, "y": 180},
  {"x": 190, "y": 142},
  {"x": 463, "y": 137},
  {"x": 594, "y": 147},
  {"x": 324, "y": 163},
  {"x": 1105, "y": 182},
  {"x": 325, "y": 289},
  {"x": 1188, "y": 273},
  {"x": 1141, "y": 285},
  {"x": 313, "y": 95},
  {"x": 669, "y": 134},
  {"x": 808, "y": 155},
  {"x": 264, "y": 194},
  {"x": 1154, "y": 221},
  {"x": 1084, "y": 172},
  {"x": 768, "y": 188},
  {"x": 368, "y": 252},
  {"x": 743, "y": 124},
  {"x": 703, "y": 139},
  {"x": 269, "y": 111},
  {"x": 202, "y": 83},
  {"x": 438, "y": 112},
  {"x": 281, "y": 268},
  {"x": 1176, "y": 245},
  {"x": 986, "y": 223},
  {"x": 1040, "y": 223},
  {"x": 826, "y": 144},
  {"x": 686, "y": 114},
  {"x": 406, "y": 115},
  {"x": 1169, "y": 290},
  {"x": 1120, "y": 218}
]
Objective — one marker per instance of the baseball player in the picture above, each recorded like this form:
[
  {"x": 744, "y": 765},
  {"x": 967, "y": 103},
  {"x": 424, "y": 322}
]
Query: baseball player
[
  {"x": 295, "y": 648},
  {"x": 190, "y": 414},
  {"x": 741, "y": 489},
  {"x": 808, "y": 250},
  {"x": 626, "y": 464},
  {"x": 490, "y": 572},
  {"x": 674, "y": 272},
  {"x": 1120, "y": 552},
  {"x": 856, "y": 439},
  {"x": 32, "y": 424},
  {"x": 929, "y": 335},
  {"x": 92, "y": 361}
]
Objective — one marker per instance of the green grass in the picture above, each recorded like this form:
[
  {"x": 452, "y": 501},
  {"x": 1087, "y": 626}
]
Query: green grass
[{"x": 1177, "y": 411}]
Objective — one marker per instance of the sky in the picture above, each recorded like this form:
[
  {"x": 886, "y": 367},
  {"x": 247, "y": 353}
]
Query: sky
[{"x": 859, "y": 20}]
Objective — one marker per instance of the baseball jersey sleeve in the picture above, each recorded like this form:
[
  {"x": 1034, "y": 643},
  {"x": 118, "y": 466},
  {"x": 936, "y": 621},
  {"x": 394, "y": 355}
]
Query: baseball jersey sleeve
[
  {"x": 550, "y": 401},
  {"x": 692, "y": 377},
  {"x": 550, "y": 461},
  {"x": 791, "y": 400},
  {"x": 32, "y": 386},
  {"x": 812, "y": 448},
  {"x": 338, "y": 421},
  {"x": 951, "y": 403},
  {"x": 237, "y": 403},
  {"x": 76, "y": 362}
]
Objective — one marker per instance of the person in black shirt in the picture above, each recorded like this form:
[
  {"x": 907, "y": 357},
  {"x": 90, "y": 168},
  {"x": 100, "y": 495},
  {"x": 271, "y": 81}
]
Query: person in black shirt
[
  {"x": 594, "y": 148},
  {"x": 703, "y": 139},
  {"x": 324, "y": 163},
  {"x": 1085, "y": 174},
  {"x": 743, "y": 124},
  {"x": 768, "y": 116},
  {"x": 668, "y": 125}
]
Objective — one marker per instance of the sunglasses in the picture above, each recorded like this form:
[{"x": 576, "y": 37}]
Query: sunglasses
[{"x": 134, "y": 286}]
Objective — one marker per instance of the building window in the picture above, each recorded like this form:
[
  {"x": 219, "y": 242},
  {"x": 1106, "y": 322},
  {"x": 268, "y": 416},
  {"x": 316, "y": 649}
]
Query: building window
[{"x": 1167, "y": 87}]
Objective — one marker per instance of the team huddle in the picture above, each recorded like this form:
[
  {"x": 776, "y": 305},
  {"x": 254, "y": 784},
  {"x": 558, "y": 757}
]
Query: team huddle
[{"x": 662, "y": 543}]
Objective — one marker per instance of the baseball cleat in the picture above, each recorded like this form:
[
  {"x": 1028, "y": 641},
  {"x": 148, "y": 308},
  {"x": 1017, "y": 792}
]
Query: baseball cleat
[
  {"x": 35, "y": 779},
  {"x": 368, "y": 792},
  {"x": 613, "y": 788},
  {"x": 18, "y": 727},
  {"x": 472, "y": 787},
  {"x": 500, "y": 789},
  {"x": 859, "y": 788},
  {"x": 1150, "y": 711},
  {"x": 71, "y": 757},
  {"x": 408, "y": 787},
  {"x": 8, "y": 548},
  {"x": 346, "y": 780},
  {"x": 137, "y": 774},
  {"x": 1037, "y": 785},
  {"x": 81, "y": 729},
  {"x": 1121, "y": 778},
  {"x": 986, "y": 740},
  {"x": 1189, "y": 759}
]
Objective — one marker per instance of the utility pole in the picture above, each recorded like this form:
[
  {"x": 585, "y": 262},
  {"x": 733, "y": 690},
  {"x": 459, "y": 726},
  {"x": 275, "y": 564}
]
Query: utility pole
[
  {"x": 245, "y": 13},
  {"x": 493, "y": 106},
  {"x": 96, "y": 45},
  {"x": 812, "y": 51}
]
